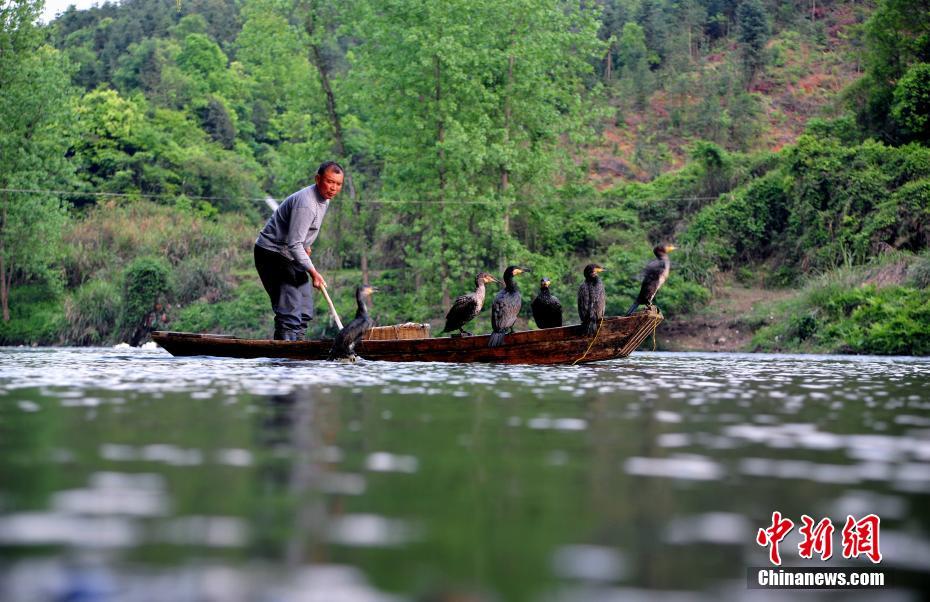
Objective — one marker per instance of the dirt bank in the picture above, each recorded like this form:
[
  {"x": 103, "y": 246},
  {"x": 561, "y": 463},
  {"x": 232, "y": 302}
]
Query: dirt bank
[{"x": 727, "y": 323}]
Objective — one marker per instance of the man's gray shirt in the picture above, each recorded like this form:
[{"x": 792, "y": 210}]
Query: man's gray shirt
[{"x": 294, "y": 226}]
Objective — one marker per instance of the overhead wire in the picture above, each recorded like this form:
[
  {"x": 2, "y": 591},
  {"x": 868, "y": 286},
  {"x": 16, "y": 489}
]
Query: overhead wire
[{"x": 135, "y": 195}]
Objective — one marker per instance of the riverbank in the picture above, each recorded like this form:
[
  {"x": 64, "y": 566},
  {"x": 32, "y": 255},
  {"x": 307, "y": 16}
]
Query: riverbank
[
  {"x": 727, "y": 323},
  {"x": 880, "y": 308}
]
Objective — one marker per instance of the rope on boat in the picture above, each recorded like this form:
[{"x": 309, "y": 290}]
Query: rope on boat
[
  {"x": 594, "y": 338},
  {"x": 655, "y": 325}
]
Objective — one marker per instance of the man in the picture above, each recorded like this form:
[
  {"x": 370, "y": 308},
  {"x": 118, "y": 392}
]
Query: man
[{"x": 281, "y": 252}]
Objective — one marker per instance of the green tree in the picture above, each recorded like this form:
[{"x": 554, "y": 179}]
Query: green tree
[
  {"x": 634, "y": 62},
  {"x": 35, "y": 109},
  {"x": 896, "y": 38},
  {"x": 474, "y": 98},
  {"x": 911, "y": 108},
  {"x": 753, "y": 32},
  {"x": 109, "y": 128},
  {"x": 146, "y": 283}
]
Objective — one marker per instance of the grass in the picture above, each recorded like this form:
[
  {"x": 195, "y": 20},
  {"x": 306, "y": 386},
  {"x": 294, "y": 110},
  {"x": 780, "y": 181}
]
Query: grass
[
  {"x": 871, "y": 309},
  {"x": 36, "y": 316}
]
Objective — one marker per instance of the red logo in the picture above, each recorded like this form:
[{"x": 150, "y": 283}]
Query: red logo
[
  {"x": 816, "y": 539},
  {"x": 860, "y": 537},
  {"x": 774, "y": 534}
]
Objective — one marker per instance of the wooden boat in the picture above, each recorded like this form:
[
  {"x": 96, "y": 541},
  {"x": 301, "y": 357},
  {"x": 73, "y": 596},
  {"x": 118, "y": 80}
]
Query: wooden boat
[{"x": 617, "y": 337}]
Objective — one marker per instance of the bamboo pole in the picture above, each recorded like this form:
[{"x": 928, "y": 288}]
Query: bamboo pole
[{"x": 332, "y": 308}]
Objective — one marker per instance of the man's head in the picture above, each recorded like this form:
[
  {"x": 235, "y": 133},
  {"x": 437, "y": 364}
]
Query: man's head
[{"x": 329, "y": 179}]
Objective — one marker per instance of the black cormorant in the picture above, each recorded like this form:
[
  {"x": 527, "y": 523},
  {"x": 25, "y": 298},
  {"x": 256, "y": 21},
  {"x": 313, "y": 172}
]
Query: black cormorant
[
  {"x": 506, "y": 306},
  {"x": 547, "y": 310},
  {"x": 654, "y": 276},
  {"x": 592, "y": 299},
  {"x": 467, "y": 307},
  {"x": 348, "y": 337}
]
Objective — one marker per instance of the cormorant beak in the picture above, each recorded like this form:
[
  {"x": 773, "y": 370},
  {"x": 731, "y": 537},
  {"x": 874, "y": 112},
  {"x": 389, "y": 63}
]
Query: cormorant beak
[
  {"x": 521, "y": 270},
  {"x": 371, "y": 289},
  {"x": 670, "y": 248},
  {"x": 599, "y": 269},
  {"x": 491, "y": 279}
]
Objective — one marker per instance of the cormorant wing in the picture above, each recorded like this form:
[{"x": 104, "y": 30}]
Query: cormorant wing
[
  {"x": 463, "y": 309},
  {"x": 653, "y": 269},
  {"x": 584, "y": 302},
  {"x": 497, "y": 309},
  {"x": 462, "y": 306},
  {"x": 504, "y": 310}
]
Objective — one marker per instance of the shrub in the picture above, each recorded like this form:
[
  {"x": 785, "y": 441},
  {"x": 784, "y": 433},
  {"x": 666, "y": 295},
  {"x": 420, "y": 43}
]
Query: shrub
[
  {"x": 892, "y": 320},
  {"x": 36, "y": 316},
  {"x": 246, "y": 314},
  {"x": 112, "y": 235},
  {"x": 92, "y": 312},
  {"x": 199, "y": 278},
  {"x": 901, "y": 221},
  {"x": 919, "y": 272},
  {"x": 911, "y": 108},
  {"x": 146, "y": 282}
]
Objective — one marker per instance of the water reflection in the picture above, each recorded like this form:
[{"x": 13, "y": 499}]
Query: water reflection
[{"x": 132, "y": 475}]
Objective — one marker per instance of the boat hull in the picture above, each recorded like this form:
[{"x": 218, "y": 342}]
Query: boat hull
[{"x": 617, "y": 337}]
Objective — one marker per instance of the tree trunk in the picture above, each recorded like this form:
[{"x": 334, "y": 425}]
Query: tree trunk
[
  {"x": 441, "y": 169},
  {"x": 4, "y": 281},
  {"x": 339, "y": 146},
  {"x": 609, "y": 68},
  {"x": 4, "y": 293},
  {"x": 505, "y": 172}
]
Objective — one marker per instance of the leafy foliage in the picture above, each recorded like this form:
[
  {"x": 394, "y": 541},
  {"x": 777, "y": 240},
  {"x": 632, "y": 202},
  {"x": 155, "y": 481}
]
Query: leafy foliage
[
  {"x": 890, "y": 321},
  {"x": 92, "y": 312},
  {"x": 911, "y": 107},
  {"x": 246, "y": 315},
  {"x": 36, "y": 316},
  {"x": 753, "y": 25},
  {"x": 891, "y": 100},
  {"x": 827, "y": 205},
  {"x": 146, "y": 283},
  {"x": 36, "y": 115}
]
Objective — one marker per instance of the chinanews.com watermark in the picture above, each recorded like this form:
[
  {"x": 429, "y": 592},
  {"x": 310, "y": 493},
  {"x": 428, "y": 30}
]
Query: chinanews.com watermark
[
  {"x": 859, "y": 538},
  {"x": 814, "y": 578}
]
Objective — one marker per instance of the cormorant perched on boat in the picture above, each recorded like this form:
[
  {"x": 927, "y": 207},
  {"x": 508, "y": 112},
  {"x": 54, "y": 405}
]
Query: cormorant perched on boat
[
  {"x": 467, "y": 307},
  {"x": 506, "y": 306},
  {"x": 654, "y": 276},
  {"x": 348, "y": 337},
  {"x": 592, "y": 299},
  {"x": 547, "y": 310}
]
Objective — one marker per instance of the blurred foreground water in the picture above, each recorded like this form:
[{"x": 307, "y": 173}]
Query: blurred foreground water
[{"x": 131, "y": 475}]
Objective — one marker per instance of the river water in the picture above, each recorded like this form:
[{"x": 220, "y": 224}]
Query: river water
[{"x": 131, "y": 475}]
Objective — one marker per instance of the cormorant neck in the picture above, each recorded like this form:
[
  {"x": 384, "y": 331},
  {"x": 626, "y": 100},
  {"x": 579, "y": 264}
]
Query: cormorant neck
[
  {"x": 591, "y": 279},
  {"x": 362, "y": 308},
  {"x": 511, "y": 285}
]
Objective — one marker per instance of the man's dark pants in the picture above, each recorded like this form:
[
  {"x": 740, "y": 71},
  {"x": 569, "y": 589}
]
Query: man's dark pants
[{"x": 288, "y": 286}]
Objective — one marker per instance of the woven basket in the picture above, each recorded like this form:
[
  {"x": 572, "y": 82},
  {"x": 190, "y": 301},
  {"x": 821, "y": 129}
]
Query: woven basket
[{"x": 410, "y": 330}]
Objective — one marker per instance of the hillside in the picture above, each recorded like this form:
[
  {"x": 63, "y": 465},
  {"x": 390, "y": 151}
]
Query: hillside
[
  {"x": 808, "y": 65},
  {"x": 773, "y": 144}
]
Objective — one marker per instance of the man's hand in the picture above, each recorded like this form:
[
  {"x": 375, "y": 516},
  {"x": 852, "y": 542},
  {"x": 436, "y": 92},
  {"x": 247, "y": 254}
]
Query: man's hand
[{"x": 317, "y": 279}]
